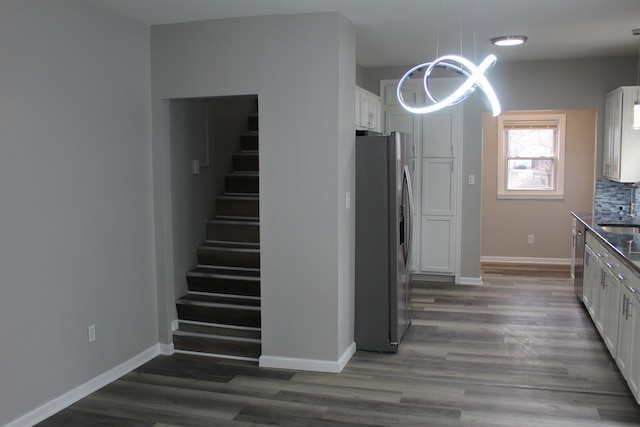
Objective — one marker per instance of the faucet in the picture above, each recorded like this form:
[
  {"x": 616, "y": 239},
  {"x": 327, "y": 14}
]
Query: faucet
[{"x": 634, "y": 186}]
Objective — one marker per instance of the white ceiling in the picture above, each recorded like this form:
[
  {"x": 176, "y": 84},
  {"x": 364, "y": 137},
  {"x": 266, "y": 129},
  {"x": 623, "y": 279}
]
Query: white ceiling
[{"x": 407, "y": 32}]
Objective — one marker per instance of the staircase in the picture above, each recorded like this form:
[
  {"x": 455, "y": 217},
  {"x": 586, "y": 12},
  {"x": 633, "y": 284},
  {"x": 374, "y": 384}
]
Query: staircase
[{"x": 220, "y": 314}]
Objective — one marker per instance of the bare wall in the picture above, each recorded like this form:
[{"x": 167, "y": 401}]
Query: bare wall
[
  {"x": 506, "y": 223},
  {"x": 76, "y": 219}
]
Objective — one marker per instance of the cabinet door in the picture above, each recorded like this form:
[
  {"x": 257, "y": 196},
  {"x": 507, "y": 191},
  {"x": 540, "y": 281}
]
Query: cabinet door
[
  {"x": 612, "y": 135},
  {"x": 611, "y": 317},
  {"x": 436, "y": 245},
  {"x": 633, "y": 377},
  {"x": 374, "y": 113},
  {"x": 600, "y": 311},
  {"x": 625, "y": 333},
  {"x": 590, "y": 278},
  {"x": 438, "y": 187},
  {"x": 364, "y": 110},
  {"x": 438, "y": 132}
]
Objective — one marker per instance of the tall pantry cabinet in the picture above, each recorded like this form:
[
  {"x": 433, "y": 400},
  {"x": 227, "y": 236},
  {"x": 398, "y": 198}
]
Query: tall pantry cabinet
[
  {"x": 436, "y": 140},
  {"x": 621, "y": 142}
]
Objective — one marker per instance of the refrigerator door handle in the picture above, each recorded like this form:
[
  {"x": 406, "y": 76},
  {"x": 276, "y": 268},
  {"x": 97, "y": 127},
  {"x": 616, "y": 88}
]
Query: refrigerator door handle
[{"x": 406, "y": 184}]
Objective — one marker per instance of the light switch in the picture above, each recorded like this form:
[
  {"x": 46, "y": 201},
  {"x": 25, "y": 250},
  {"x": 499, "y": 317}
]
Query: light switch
[
  {"x": 472, "y": 179},
  {"x": 195, "y": 167},
  {"x": 348, "y": 199}
]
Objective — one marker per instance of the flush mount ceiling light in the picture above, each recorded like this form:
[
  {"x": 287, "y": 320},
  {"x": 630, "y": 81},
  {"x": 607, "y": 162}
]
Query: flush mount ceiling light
[{"x": 508, "y": 40}]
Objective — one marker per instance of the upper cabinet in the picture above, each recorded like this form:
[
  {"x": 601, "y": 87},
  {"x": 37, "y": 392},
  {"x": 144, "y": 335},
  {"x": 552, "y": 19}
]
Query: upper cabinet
[
  {"x": 367, "y": 110},
  {"x": 621, "y": 142}
]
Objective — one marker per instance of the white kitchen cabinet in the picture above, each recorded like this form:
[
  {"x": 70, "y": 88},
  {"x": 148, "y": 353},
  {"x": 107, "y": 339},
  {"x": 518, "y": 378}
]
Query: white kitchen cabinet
[
  {"x": 367, "y": 110},
  {"x": 611, "y": 295},
  {"x": 621, "y": 142},
  {"x": 610, "y": 289},
  {"x": 628, "y": 352},
  {"x": 626, "y": 313},
  {"x": 591, "y": 279},
  {"x": 436, "y": 179},
  {"x": 633, "y": 376}
]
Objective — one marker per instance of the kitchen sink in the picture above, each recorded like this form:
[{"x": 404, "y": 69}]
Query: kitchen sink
[{"x": 620, "y": 228}]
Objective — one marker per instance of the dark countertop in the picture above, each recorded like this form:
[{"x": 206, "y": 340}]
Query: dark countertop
[{"x": 625, "y": 245}]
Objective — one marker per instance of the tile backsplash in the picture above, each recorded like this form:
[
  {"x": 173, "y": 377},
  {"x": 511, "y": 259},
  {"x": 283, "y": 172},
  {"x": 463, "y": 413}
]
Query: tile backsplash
[{"x": 611, "y": 195}]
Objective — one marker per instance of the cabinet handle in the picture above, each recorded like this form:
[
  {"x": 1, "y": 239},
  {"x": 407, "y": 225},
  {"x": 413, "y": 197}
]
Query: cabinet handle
[
  {"x": 620, "y": 277},
  {"x": 624, "y": 306},
  {"x": 633, "y": 290},
  {"x": 627, "y": 315},
  {"x": 608, "y": 265}
]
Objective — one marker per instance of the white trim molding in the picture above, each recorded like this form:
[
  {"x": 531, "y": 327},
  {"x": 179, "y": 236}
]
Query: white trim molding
[
  {"x": 293, "y": 363},
  {"x": 526, "y": 260},
  {"x": 470, "y": 281},
  {"x": 72, "y": 396}
]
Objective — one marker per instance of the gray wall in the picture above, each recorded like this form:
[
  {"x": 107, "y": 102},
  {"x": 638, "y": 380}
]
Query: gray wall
[
  {"x": 530, "y": 85},
  {"x": 76, "y": 230},
  {"x": 303, "y": 69}
]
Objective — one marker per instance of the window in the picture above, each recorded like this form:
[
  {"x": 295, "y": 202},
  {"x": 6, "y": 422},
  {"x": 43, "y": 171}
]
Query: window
[{"x": 531, "y": 156}]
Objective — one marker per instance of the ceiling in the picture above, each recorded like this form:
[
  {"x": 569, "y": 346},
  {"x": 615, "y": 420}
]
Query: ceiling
[{"x": 407, "y": 32}]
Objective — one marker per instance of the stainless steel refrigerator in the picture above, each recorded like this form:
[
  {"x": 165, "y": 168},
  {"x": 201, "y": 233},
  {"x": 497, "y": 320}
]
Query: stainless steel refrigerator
[{"x": 383, "y": 206}]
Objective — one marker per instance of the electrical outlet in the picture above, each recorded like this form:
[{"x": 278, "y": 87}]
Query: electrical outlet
[
  {"x": 531, "y": 239},
  {"x": 91, "y": 331},
  {"x": 348, "y": 199}
]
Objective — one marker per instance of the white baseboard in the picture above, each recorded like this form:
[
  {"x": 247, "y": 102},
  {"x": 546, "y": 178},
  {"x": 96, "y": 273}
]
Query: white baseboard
[
  {"x": 166, "y": 349},
  {"x": 470, "y": 281},
  {"x": 72, "y": 396},
  {"x": 526, "y": 260},
  {"x": 309, "y": 364}
]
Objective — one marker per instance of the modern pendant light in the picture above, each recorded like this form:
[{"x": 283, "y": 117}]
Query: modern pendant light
[{"x": 475, "y": 79}]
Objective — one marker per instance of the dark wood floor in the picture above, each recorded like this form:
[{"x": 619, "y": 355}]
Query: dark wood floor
[{"x": 517, "y": 351}]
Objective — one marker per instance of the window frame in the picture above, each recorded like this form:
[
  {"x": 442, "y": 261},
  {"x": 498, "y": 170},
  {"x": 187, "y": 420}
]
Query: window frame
[{"x": 532, "y": 119}]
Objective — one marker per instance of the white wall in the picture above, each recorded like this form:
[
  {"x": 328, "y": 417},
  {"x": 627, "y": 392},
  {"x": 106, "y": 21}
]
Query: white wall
[
  {"x": 75, "y": 198},
  {"x": 303, "y": 69}
]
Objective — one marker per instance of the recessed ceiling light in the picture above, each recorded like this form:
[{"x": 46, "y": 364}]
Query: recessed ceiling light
[{"x": 508, "y": 40}]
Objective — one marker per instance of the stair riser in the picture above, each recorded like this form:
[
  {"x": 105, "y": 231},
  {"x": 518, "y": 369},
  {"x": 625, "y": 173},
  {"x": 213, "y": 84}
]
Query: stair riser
[
  {"x": 246, "y": 163},
  {"x": 242, "y": 208},
  {"x": 229, "y": 258},
  {"x": 220, "y": 331},
  {"x": 242, "y": 184},
  {"x": 226, "y": 286},
  {"x": 249, "y": 142},
  {"x": 249, "y": 233},
  {"x": 222, "y": 315},
  {"x": 216, "y": 346}
]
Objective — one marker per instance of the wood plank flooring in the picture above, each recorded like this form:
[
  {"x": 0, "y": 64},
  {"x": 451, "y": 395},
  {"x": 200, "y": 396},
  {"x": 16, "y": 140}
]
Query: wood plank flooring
[{"x": 516, "y": 351}]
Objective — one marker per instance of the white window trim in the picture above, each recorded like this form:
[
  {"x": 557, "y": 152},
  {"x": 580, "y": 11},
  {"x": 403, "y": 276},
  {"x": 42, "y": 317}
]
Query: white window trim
[{"x": 558, "y": 192}]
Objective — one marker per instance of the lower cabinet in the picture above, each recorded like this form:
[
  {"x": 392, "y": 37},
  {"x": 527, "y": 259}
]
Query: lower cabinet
[
  {"x": 628, "y": 354},
  {"x": 610, "y": 296},
  {"x": 592, "y": 274},
  {"x": 437, "y": 258}
]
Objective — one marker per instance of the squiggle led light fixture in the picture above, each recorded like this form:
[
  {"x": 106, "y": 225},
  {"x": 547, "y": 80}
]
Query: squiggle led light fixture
[{"x": 475, "y": 79}]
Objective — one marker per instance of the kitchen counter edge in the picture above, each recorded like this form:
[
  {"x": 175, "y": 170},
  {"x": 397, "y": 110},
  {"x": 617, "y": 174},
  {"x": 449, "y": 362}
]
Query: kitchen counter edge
[{"x": 626, "y": 246}]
